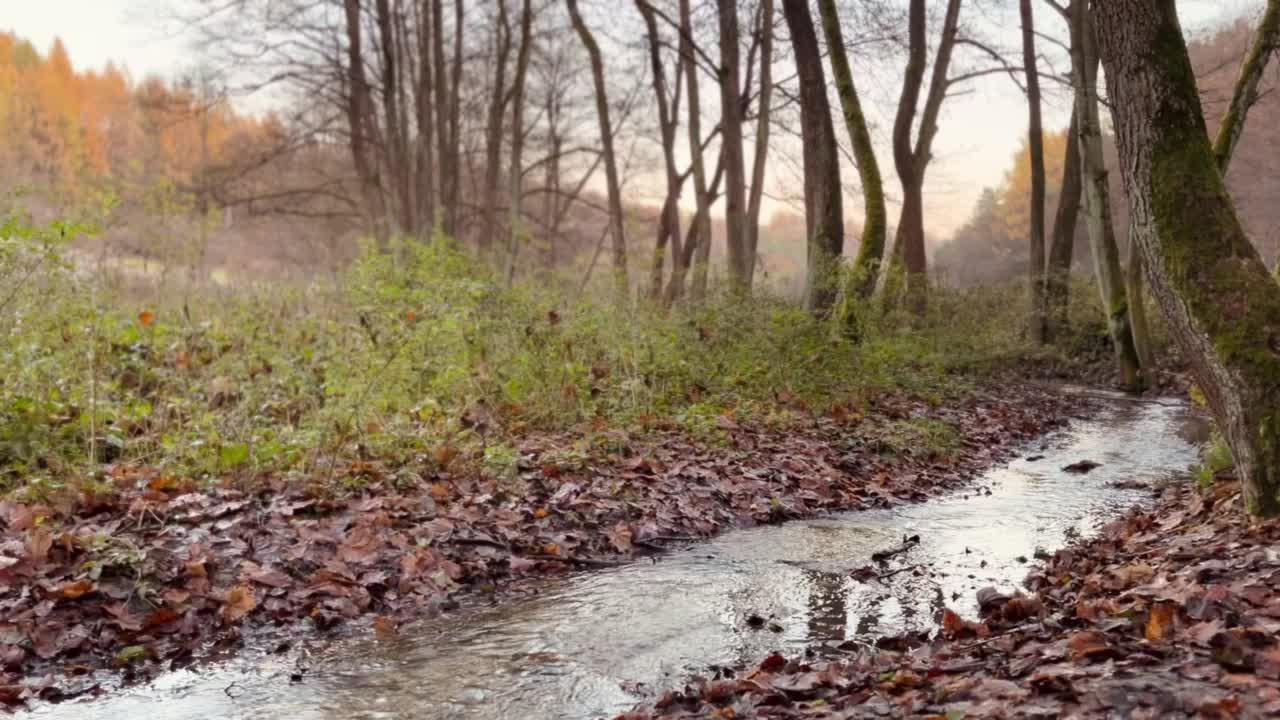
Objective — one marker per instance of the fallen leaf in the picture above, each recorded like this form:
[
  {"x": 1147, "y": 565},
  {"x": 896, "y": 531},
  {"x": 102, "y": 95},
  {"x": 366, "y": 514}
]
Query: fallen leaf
[
  {"x": 73, "y": 590},
  {"x": 1160, "y": 622},
  {"x": 1089, "y": 645},
  {"x": 238, "y": 603}
]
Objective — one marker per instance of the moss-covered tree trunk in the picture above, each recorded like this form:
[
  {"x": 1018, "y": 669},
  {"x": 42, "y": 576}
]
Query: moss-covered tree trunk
[
  {"x": 1133, "y": 285},
  {"x": 1035, "y": 139},
  {"x": 1102, "y": 235},
  {"x": 824, "y": 219},
  {"x": 1220, "y": 302},
  {"x": 875, "y": 222},
  {"x": 1062, "y": 244},
  {"x": 1265, "y": 42}
]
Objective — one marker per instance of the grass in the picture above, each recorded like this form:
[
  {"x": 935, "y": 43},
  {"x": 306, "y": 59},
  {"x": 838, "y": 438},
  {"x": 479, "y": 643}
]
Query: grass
[{"x": 420, "y": 357}]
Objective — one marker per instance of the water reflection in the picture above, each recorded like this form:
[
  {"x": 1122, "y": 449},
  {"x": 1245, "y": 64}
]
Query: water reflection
[{"x": 590, "y": 645}]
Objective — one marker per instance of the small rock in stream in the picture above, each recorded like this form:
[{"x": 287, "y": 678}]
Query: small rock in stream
[{"x": 1081, "y": 467}]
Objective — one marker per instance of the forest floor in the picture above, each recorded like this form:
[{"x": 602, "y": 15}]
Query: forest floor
[
  {"x": 1172, "y": 611},
  {"x": 148, "y": 573}
]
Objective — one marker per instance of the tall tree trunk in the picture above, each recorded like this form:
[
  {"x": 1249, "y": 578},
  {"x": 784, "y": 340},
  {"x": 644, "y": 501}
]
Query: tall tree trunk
[
  {"x": 1035, "y": 140},
  {"x": 496, "y": 114},
  {"x": 763, "y": 111},
  {"x": 700, "y": 234},
  {"x": 1265, "y": 41},
  {"x": 1134, "y": 291},
  {"x": 444, "y": 141},
  {"x": 516, "y": 169},
  {"x": 903, "y": 158},
  {"x": 874, "y": 225},
  {"x": 424, "y": 95},
  {"x": 1062, "y": 249},
  {"x": 824, "y": 218},
  {"x": 731, "y": 146},
  {"x": 1221, "y": 304},
  {"x": 395, "y": 149},
  {"x": 1106, "y": 254},
  {"x": 359, "y": 116},
  {"x": 613, "y": 185}
]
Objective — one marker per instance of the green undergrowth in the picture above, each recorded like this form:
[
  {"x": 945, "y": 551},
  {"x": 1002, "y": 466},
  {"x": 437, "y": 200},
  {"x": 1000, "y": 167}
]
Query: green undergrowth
[{"x": 418, "y": 358}]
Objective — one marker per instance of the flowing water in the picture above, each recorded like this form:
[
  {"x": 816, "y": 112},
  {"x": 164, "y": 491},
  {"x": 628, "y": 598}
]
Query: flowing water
[{"x": 592, "y": 644}]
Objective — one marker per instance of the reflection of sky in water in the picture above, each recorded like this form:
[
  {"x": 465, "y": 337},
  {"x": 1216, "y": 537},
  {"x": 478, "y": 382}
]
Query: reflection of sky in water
[{"x": 571, "y": 650}]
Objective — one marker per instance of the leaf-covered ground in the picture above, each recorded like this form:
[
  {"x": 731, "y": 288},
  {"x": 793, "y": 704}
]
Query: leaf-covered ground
[
  {"x": 148, "y": 572},
  {"x": 1169, "y": 613}
]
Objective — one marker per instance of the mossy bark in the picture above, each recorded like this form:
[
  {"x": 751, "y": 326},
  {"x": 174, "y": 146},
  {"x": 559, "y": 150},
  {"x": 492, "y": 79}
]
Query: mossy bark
[
  {"x": 1062, "y": 246},
  {"x": 1102, "y": 236},
  {"x": 1265, "y": 41},
  {"x": 824, "y": 218},
  {"x": 1219, "y": 299},
  {"x": 1035, "y": 139},
  {"x": 875, "y": 223}
]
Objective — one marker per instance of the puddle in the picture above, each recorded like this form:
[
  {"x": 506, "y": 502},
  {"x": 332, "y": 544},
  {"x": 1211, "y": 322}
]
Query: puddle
[{"x": 590, "y": 645}]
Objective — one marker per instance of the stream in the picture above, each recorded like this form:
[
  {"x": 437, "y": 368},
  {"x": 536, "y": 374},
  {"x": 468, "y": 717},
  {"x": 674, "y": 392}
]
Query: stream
[{"x": 593, "y": 644}]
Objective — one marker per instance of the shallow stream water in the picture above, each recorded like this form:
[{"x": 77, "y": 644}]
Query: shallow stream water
[{"x": 592, "y": 644}]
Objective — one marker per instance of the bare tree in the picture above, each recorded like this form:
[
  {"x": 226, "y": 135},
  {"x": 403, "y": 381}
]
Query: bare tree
[
  {"x": 668, "y": 123},
  {"x": 911, "y": 159},
  {"x": 606, "y": 140}
]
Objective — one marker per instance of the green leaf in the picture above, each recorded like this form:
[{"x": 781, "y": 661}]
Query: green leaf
[
  {"x": 131, "y": 653},
  {"x": 234, "y": 455}
]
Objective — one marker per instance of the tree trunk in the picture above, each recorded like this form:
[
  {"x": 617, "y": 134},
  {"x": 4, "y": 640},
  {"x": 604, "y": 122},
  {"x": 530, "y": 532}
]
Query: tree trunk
[
  {"x": 1035, "y": 139},
  {"x": 701, "y": 232},
  {"x": 496, "y": 113},
  {"x": 395, "y": 147},
  {"x": 1058, "y": 280},
  {"x": 424, "y": 95},
  {"x": 874, "y": 226},
  {"x": 516, "y": 169},
  {"x": 448, "y": 78},
  {"x": 763, "y": 112},
  {"x": 1265, "y": 41},
  {"x": 903, "y": 160},
  {"x": 1106, "y": 254},
  {"x": 1221, "y": 304},
  {"x": 731, "y": 146},
  {"x": 824, "y": 218},
  {"x": 359, "y": 111},
  {"x": 1133, "y": 286},
  {"x": 612, "y": 183}
]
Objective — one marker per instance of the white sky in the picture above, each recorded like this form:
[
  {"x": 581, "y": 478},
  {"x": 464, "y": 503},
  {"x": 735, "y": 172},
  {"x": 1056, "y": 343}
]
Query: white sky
[{"x": 978, "y": 134}]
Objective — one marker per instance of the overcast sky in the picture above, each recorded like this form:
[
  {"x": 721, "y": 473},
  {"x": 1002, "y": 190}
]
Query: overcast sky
[{"x": 978, "y": 134}]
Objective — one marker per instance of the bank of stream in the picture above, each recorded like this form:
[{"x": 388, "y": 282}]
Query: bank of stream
[{"x": 593, "y": 644}]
